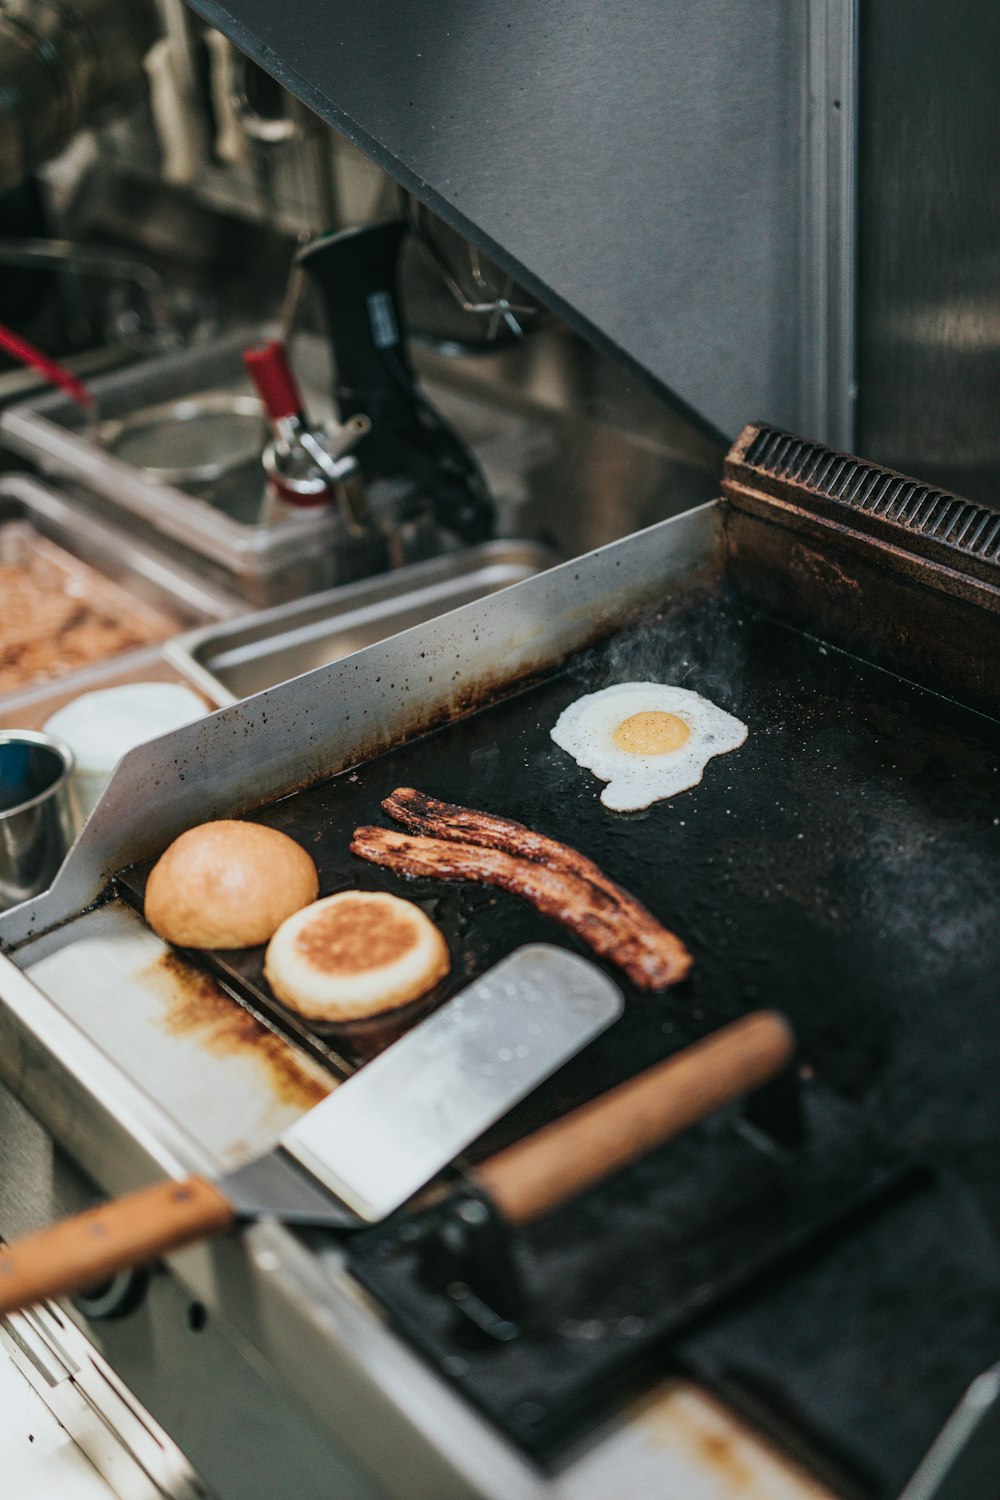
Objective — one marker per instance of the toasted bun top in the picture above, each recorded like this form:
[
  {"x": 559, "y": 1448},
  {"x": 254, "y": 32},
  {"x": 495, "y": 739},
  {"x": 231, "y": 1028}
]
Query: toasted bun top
[
  {"x": 355, "y": 954},
  {"x": 228, "y": 884},
  {"x": 355, "y": 932}
]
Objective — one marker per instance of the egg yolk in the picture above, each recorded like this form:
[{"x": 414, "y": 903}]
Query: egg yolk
[{"x": 653, "y": 733}]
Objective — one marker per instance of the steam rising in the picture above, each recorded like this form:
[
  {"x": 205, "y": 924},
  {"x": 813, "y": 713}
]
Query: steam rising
[{"x": 700, "y": 648}]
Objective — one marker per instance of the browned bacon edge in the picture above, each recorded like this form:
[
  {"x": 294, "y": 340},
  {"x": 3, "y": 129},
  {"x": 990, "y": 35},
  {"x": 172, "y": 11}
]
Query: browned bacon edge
[
  {"x": 446, "y": 820},
  {"x": 650, "y": 955}
]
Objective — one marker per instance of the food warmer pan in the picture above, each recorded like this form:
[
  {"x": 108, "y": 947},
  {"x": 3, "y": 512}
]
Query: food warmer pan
[
  {"x": 215, "y": 525},
  {"x": 44, "y": 511},
  {"x": 840, "y": 867},
  {"x": 242, "y": 657}
]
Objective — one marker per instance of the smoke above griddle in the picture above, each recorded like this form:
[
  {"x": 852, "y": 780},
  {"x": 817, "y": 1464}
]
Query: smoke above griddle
[{"x": 698, "y": 647}]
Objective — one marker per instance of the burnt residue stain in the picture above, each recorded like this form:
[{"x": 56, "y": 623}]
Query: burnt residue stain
[
  {"x": 719, "y": 1453},
  {"x": 743, "y": 1463},
  {"x": 198, "y": 1007}
]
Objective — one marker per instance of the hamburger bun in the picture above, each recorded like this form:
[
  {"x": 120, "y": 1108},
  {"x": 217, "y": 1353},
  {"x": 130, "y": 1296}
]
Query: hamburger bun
[
  {"x": 227, "y": 885},
  {"x": 355, "y": 954}
]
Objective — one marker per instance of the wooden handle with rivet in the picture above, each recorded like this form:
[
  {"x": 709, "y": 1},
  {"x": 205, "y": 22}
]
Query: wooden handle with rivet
[
  {"x": 94, "y": 1246},
  {"x": 536, "y": 1175}
]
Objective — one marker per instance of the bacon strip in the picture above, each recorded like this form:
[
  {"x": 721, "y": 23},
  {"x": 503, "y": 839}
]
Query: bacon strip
[
  {"x": 445, "y": 820},
  {"x": 652, "y": 957}
]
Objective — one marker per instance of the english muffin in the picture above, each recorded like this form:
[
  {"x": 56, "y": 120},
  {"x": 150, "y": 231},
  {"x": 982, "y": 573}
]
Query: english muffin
[
  {"x": 355, "y": 954},
  {"x": 228, "y": 884}
]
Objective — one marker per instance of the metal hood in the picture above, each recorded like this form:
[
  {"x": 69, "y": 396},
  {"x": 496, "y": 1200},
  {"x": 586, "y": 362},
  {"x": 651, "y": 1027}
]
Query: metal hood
[{"x": 673, "y": 180}]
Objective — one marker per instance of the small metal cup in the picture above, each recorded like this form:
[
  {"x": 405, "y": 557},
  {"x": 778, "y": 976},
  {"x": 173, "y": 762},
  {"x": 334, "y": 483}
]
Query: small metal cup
[{"x": 36, "y": 814}]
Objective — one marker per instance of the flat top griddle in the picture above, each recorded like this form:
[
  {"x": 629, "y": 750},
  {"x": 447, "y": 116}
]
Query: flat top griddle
[{"x": 842, "y": 867}]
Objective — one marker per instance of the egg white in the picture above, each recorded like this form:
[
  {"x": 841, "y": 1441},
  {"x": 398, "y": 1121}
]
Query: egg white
[{"x": 585, "y": 729}]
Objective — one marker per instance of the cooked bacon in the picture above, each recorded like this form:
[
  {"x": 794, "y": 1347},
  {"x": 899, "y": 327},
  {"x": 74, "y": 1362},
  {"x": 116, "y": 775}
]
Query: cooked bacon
[
  {"x": 652, "y": 957},
  {"x": 445, "y": 820}
]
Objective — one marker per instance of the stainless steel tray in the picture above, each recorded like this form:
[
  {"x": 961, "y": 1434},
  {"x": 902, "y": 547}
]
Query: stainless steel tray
[
  {"x": 151, "y": 576},
  {"x": 241, "y": 657},
  {"x": 153, "y": 572},
  {"x": 266, "y": 562},
  {"x": 215, "y": 523}
]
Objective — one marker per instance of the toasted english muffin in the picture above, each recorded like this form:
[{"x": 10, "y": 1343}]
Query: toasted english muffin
[
  {"x": 227, "y": 884},
  {"x": 355, "y": 954}
]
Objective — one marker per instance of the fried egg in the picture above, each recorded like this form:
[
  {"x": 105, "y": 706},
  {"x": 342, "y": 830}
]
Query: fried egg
[{"x": 647, "y": 740}]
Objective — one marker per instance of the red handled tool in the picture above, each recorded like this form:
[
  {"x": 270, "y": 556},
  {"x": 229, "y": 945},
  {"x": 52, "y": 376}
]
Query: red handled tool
[
  {"x": 307, "y": 465},
  {"x": 57, "y": 374}
]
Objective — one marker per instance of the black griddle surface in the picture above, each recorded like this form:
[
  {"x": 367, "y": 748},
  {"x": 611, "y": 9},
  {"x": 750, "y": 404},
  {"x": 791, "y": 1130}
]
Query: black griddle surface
[
  {"x": 694, "y": 1224},
  {"x": 843, "y": 866}
]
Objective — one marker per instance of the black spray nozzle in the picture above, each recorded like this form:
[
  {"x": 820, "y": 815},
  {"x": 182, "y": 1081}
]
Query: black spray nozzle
[{"x": 357, "y": 274}]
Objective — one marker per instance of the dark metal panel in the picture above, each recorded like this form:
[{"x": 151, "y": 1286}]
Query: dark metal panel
[
  {"x": 637, "y": 165},
  {"x": 929, "y": 248}
]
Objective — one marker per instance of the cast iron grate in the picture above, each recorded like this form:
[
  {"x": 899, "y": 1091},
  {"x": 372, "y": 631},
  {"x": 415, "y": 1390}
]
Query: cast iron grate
[{"x": 920, "y": 509}]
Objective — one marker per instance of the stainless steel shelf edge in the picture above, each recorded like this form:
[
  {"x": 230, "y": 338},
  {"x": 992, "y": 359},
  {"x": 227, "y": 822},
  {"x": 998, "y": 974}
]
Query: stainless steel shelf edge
[
  {"x": 126, "y": 1447},
  {"x": 374, "y": 607},
  {"x": 314, "y": 725}
]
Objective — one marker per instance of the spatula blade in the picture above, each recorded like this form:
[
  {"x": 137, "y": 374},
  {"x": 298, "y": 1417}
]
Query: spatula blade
[{"x": 386, "y": 1132}]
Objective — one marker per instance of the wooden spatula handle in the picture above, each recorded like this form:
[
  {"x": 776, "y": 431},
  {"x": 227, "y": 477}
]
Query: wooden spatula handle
[
  {"x": 555, "y": 1164},
  {"x": 96, "y": 1245}
]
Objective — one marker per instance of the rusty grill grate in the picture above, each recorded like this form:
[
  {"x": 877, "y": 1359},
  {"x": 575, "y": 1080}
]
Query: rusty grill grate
[{"x": 972, "y": 530}]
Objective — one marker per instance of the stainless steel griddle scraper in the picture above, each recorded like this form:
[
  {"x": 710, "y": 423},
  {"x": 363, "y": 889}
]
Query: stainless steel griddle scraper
[{"x": 366, "y": 1149}]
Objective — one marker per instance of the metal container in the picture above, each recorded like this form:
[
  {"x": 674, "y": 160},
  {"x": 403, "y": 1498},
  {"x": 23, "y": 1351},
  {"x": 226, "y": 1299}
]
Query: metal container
[
  {"x": 241, "y": 657},
  {"x": 571, "y": 448},
  {"x": 34, "y": 706},
  {"x": 150, "y": 576},
  {"x": 153, "y": 573},
  {"x": 174, "y": 455},
  {"x": 36, "y": 814},
  {"x": 213, "y": 520}
]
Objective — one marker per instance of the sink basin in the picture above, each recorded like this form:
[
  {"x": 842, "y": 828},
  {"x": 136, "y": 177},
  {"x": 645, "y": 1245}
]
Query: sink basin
[{"x": 241, "y": 657}]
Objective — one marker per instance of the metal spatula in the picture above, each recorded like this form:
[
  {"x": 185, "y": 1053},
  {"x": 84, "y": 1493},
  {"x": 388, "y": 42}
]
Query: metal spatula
[{"x": 366, "y": 1149}]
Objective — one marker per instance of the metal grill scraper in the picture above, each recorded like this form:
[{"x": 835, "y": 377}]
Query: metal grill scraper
[{"x": 367, "y": 1148}]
